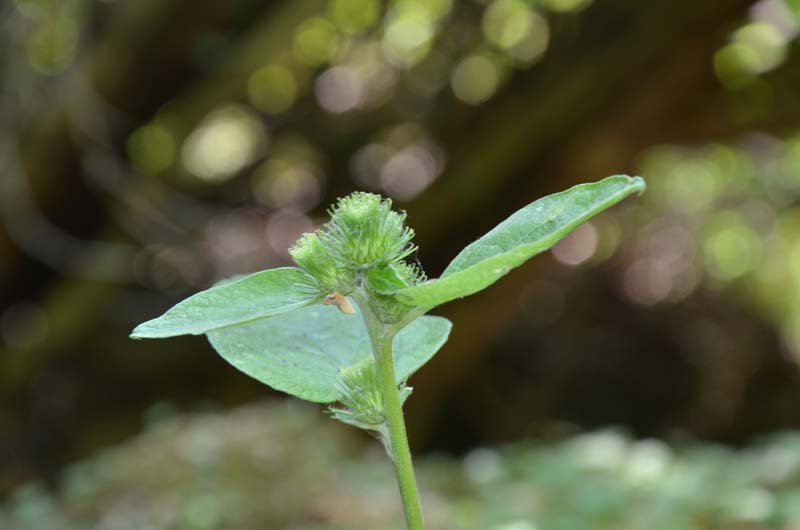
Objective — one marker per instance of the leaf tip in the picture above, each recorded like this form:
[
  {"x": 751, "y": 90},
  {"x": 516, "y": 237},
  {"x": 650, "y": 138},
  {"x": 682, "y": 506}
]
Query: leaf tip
[
  {"x": 147, "y": 330},
  {"x": 140, "y": 332},
  {"x": 638, "y": 184}
]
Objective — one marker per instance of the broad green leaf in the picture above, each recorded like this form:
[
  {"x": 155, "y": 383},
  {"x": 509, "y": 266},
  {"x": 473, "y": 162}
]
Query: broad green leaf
[
  {"x": 531, "y": 230},
  {"x": 301, "y": 352},
  {"x": 259, "y": 295}
]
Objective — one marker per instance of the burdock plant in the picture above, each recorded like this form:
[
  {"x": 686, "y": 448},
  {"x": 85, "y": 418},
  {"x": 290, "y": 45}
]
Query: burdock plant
[{"x": 348, "y": 327}]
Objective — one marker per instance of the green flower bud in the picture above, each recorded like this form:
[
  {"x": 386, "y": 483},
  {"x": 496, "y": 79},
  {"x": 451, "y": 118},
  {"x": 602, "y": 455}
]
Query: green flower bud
[
  {"x": 361, "y": 396},
  {"x": 314, "y": 257},
  {"x": 365, "y": 232},
  {"x": 364, "y": 240}
]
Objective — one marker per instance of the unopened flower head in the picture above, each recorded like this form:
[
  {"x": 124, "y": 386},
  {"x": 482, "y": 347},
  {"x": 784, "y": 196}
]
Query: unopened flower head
[
  {"x": 313, "y": 256},
  {"x": 367, "y": 232},
  {"x": 364, "y": 233}
]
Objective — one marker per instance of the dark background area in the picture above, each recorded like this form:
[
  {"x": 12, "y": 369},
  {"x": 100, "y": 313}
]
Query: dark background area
[{"x": 151, "y": 147}]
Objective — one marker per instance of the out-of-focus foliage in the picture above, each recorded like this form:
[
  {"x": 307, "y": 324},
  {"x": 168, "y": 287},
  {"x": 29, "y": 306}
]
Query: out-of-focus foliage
[
  {"x": 283, "y": 466},
  {"x": 723, "y": 218},
  {"x": 759, "y": 46},
  {"x": 377, "y": 66},
  {"x": 150, "y": 147}
]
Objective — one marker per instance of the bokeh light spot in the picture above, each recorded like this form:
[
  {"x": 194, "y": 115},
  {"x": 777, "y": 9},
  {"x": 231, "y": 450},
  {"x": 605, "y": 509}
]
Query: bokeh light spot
[
  {"x": 409, "y": 172},
  {"x": 731, "y": 248},
  {"x": 291, "y": 177},
  {"x": 784, "y": 15},
  {"x": 577, "y": 247},
  {"x": 512, "y": 26},
  {"x": 608, "y": 239},
  {"x": 354, "y": 16},
  {"x": 647, "y": 282},
  {"x": 279, "y": 184},
  {"x": 151, "y": 149},
  {"x": 315, "y": 41},
  {"x": 482, "y": 465},
  {"x": 647, "y": 460},
  {"x": 284, "y": 228},
  {"x": 767, "y": 43},
  {"x": 223, "y": 143},
  {"x": 339, "y": 89},
  {"x": 755, "y": 48},
  {"x": 51, "y": 48},
  {"x": 272, "y": 89},
  {"x": 408, "y": 33},
  {"x": 735, "y": 64},
  {"x": 475, "y": 79},
  {"x": 367, "y": 162},
  {"x": 535, "y": 41},
  {"x": 236, "y": 242}
]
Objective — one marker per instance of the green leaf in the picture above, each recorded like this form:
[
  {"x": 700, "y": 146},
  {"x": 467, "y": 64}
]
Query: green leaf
[
  {"x": 531, "y": 230},
  {"x": 301, "y": 352},
  {"x": 259, "y": 295},
  {"x": 386, "y": 280}
]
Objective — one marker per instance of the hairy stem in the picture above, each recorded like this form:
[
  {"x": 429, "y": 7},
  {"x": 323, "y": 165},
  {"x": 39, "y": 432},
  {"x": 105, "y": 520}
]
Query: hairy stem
[{"x": 381, "y": 339}]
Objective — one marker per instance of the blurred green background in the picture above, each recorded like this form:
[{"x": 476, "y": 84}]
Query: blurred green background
[{"x": 151, "y": 147}]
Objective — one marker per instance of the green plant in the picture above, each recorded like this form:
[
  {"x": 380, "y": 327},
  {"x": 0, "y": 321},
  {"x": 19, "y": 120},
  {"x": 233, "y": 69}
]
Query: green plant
[{"x": 273, "y": 325}]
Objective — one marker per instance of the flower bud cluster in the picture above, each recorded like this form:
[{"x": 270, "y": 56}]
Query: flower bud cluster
[
  {"x": 363, "y": 234},
  {"x": 361, "y": 396}
]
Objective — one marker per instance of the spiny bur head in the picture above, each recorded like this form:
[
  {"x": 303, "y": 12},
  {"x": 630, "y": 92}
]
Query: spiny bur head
[
  {"x": 361, "y": 396},
  {"x": 363, "y": 234},
  {"x": 360, "y": 390},
  {"x": 366, "y": 232},
  {"x": 313, "y": 256}
]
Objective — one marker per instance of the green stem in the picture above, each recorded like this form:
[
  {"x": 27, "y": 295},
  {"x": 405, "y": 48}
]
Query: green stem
[{"x": 381, "y": 339}]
